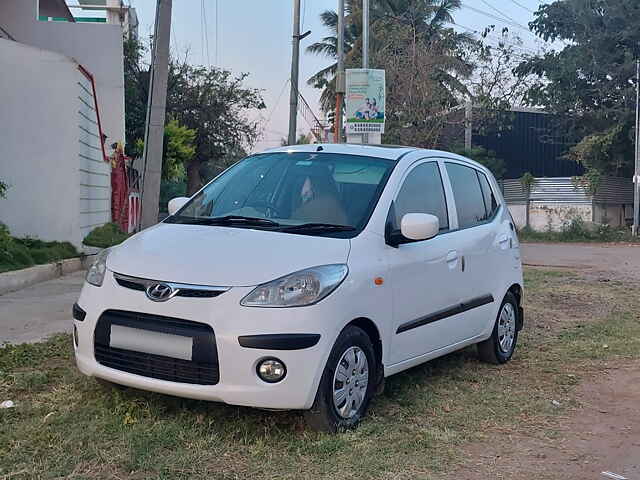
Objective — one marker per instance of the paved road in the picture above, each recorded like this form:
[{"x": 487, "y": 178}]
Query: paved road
[
  {"x": 38, "y": 311},
  {"x": 32, "y": 314},
  {"x": 618, "y": 261}
]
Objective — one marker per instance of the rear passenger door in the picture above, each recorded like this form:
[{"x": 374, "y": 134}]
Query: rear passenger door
[{"x": 477, "y": 243}]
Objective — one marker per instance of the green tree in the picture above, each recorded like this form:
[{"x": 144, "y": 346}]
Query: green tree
[
  {"x": 590, "y": 80},
  {"x": 396, "y": 25},
  {"x": 214, "y": 103},
  {"x": 136, "y": 92},
  {"x": 211, "y": 102},
  {"x": 484, "y": 157},
  {"x": 178, "y": 151},
  {"x": 3, "y": 189}
]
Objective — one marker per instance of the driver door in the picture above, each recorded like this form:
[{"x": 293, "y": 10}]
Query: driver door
[{"x": 425, "y": 274}]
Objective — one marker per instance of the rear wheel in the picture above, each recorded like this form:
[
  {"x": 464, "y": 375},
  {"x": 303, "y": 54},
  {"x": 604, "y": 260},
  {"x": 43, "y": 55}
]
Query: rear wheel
[
  {"x": 499, "y": 347},
  {"x": 347, "y": 384}
]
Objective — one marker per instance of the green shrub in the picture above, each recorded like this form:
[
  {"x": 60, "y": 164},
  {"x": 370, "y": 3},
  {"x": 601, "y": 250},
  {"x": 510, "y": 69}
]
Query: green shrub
[
  {"x": 577, "y": 230},
  {"x": 18, "y": 253},
  {"x": 105, "y": 236}
]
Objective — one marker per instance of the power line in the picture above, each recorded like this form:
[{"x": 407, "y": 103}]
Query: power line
[
  {"x": 502, "y": 14},
  {"x": 522, "y": 6},
  {"x": 217, "y": 34},
  {"x": 304, "y": 12},
  {"x": 275, "y": 105},
  {"x": 206, "y": 30},
  {"x": 499, "y": 39},
  {"x": 494, "y": 17}
]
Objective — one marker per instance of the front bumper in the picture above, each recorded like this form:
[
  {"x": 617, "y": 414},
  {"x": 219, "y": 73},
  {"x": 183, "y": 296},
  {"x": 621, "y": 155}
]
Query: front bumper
[{"x": 259, "y": 327}]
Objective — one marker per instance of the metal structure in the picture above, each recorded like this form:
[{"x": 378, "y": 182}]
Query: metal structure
[
  {"x": 340, "y": 78},
  {"x": 317, "y": 129},
  {"x": 611, "y": 191},
  {"x": 636, "y": 175},
  {"x": 365, "y": 47}
]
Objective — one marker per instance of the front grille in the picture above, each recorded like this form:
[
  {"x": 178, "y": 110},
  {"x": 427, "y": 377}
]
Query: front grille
[
  {"x": 190, "y": 291},
  {"x": 203, "y": 369}
]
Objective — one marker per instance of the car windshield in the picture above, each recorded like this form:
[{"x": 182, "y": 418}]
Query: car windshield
[{"x": 307, "y": 193}]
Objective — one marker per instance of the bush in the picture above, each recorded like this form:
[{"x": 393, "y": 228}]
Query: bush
[
  {"x": 577, "y": 230},
  {"x": 18, "y": 253},
  {"x": 105, "y": 236}
]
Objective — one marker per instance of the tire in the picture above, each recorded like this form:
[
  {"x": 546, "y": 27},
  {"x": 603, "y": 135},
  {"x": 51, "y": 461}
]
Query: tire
[
  {"x": 352, "y": 347},
  {"x": 497, "y": 349}
]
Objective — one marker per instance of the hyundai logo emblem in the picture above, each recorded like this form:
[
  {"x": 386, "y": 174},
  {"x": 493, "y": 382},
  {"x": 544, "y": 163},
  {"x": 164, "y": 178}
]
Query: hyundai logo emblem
[{"x": 160, "y": 292}]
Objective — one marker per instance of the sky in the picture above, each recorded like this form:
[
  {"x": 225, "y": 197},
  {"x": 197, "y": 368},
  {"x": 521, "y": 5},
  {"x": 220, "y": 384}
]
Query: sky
[{"x": 254, "y": 37}]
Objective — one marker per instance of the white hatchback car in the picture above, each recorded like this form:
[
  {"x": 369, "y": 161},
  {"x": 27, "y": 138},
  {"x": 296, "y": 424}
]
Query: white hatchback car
[{"x": 301, "y": 277}]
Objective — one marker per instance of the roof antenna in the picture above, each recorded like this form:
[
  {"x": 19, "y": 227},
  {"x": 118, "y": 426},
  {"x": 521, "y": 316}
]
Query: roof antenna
[{"x": 319, "y": 149}]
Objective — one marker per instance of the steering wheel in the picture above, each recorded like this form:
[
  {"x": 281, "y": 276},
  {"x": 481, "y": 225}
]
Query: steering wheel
[{"x": 270, "y": 209}]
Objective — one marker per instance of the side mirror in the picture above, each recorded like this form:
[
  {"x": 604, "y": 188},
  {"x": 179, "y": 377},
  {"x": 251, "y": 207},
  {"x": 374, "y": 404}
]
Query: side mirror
[
  {"x": 419, "y": 226},
  {"x": 176, "y": 204}
]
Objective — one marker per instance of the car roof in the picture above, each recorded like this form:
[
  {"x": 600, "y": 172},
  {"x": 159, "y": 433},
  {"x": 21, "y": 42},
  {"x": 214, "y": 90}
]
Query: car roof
[{"x": 389, "y": 152}]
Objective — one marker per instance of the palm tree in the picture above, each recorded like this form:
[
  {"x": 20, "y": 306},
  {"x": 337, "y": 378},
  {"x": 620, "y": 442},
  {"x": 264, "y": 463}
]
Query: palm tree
[{"x": 427, "y": 18}]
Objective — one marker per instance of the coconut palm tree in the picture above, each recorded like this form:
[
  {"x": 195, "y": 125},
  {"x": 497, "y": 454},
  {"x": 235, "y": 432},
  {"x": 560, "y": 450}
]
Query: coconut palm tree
[{"x": 427, "y": 18}]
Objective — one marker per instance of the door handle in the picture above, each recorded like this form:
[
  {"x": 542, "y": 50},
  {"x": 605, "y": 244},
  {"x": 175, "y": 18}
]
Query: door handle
[
  {"x": 452, "y": 259},
  {"x": 503, "y": 241}
]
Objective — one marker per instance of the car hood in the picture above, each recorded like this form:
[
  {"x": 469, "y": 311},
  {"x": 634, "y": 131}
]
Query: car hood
[{"x": 222, "y": 256}]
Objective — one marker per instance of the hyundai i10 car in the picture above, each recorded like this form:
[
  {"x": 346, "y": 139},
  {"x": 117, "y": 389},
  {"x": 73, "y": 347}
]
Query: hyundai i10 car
[{"x": 301, "y": 277}]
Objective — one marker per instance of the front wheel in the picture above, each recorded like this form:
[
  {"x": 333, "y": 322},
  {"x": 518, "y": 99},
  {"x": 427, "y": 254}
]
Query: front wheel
[
  {"x": 499, "y": 347},
  {"x": 347, "y": 383}
]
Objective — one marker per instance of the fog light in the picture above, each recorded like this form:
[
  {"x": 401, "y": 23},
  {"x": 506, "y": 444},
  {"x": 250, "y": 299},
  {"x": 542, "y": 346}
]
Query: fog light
[
  {"x": 75, "y": 336},
  {"x": 271, "y": 370}
]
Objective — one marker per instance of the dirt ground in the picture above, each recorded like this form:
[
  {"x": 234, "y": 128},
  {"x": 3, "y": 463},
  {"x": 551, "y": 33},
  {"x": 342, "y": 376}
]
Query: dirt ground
[
  {"x": 602, "y": 434},
  {"x": 613, "y": 261}
]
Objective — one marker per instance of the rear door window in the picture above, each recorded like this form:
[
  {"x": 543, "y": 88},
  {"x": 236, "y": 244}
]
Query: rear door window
[{"x": 467, "y": 194}]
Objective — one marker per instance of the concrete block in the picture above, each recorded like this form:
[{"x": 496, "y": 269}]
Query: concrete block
[{"x": 19, "y": 279}]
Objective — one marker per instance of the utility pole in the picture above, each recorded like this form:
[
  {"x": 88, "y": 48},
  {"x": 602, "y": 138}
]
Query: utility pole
[
  {"x": 636, "y": 173},
  {"x": 365, "y": 33},
  {"x": 340, "y": 80},
  {"x": 468, "y": 124},
  {"x": 295, "y": 65},
  {"x": 365, "y": 47},
  {"x": 156, "y": 107}
]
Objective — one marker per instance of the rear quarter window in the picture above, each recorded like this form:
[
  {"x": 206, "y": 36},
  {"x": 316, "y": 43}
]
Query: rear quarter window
[{"x": 468, "y": 195}]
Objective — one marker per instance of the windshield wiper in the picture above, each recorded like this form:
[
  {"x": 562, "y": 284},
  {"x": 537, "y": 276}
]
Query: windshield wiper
[
  {"x": 317, "y": 227},
  {"x": 229, "y": 220}
]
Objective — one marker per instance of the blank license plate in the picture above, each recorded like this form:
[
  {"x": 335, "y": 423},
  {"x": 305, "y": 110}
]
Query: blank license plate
[{"x": 147, "y": 341}]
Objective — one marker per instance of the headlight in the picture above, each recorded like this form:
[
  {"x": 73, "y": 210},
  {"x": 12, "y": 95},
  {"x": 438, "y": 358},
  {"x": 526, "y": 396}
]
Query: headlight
[
  {"x": 95, "y": 274},
  {"x": 298, "y": 289}
]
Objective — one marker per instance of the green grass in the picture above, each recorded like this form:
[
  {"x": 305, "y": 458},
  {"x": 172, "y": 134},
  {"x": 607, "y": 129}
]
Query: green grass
[
  {"x": 105, "y": 236},
  {"x": 577, "y": 230},
  {"x": 18, "y": 253},
  {"x": 67, "y": 425}
]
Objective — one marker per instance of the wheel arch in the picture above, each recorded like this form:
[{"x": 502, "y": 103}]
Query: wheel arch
[
  {"x": 516, "y": 290},
  {"x": 371, "y": 329}
]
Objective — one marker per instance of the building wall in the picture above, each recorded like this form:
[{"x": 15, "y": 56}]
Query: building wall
[
  {"x": 39, "y": 142},
  {"x": 558, "y": 200},
  {"x": 97, "y": 47},
  {"x": 551, "y": 216}
]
